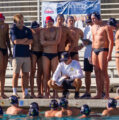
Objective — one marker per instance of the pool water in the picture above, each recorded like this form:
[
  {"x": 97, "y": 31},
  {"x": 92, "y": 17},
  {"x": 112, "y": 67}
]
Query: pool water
[{"x": 25, "y": 117}]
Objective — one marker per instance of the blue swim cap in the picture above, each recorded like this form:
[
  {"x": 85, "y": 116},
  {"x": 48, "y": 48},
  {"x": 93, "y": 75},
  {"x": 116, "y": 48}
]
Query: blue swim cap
[
  {"x": 53, "y": 104},
  {"x": 34, "y": 105},
  {"x": 63, "y": 103},
  {"x": 34, "y": 24},
  {"x": 85, "y": 110},
  {"x": 13, "y": 99},
  {"x": 60, "y": 15},
  {"x": 88, "y": 18},
  {"x": 33, "y": 112},
  {"x": 112, "y": 103},
  {"x": 112, "y": 22},
  {"x": 1, "y": 111},
  {"x": 97, "y": 15},
  {"x": 70, "y": 17}
]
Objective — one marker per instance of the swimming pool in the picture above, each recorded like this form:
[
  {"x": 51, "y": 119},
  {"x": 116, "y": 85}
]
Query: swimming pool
[{"x": 25, "y": 117}]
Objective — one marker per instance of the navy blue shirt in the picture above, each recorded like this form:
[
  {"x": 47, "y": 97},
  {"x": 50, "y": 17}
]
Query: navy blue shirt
[{"x": 18, "y": 49}]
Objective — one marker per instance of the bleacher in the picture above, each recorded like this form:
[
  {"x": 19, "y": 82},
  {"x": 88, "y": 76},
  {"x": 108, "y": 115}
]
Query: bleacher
[{"x": 31, "y": 11}]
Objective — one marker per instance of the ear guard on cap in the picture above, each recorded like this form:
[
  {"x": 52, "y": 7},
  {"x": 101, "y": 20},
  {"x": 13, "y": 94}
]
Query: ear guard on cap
[
  {"x": 33, "y": 112},
  {"x": 34, "y": 105},
  {"x": 85, "y": 110},
  {"x": 63, "y": 103},
  {"x": 13, "y": 99},
  {"x": 53, "y": 104},
  {"x": 112, "y": 103}
]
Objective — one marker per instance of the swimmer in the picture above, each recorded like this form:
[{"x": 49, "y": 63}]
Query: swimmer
[
  {"x": 111, "y": 108},
  {"x": 14, "y": 109},
  {"x": 53, "y": 109},
  {"x": 64, "y": 109}
]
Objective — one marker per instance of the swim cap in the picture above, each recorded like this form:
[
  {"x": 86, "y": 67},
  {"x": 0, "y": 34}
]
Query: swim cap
[
  {"x": 33, "y": 112},
  {"x": 85, "y": 110},
  {"x": 60, "y": 15},
  {"x": 34, "y": 24},
  {"x": 112, "y": 103},
  {"x": 69, "y": 17},
  {"x": 54, "y": 104},
  {"x": 13, "y": 99},
  {"x": 63, "y": 103},
  {"x": 88, "y": 18},
  {"x": 34, "y": 105},
  {"x": 1, "y": 111},
  {"x": 112, "y": 22},
  {"x": 2, "y": 17},
  {"x": 49, "y": 19},
  {"x": 97, "y": 15}
]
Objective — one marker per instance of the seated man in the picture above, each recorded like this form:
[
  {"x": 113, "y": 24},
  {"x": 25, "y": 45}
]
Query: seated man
[
  {"x": 85, "y": 111},
  {"x": 53, "y": 109},
  {"x": 64, "y": 109},
  {"x": 71, "y": 75},
  {"x": 111, "y": 108},
  {"x": 14, "y": 109}
]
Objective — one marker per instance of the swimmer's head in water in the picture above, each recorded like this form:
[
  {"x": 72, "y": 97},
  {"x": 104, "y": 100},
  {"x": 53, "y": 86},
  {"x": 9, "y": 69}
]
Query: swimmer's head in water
[
  {"x": 1, "y": 111},
  {"x": 112, "y": 103},
  {"x": 34, "y": 105},
  {"x": 34, "y": 24},
  {"x": 33, "y": 112},
  {"x": 96, "y": 15},
  {"x": 49, "y": 19},
  {"x": 13, "y": 99},
  {"x": 53, "y": 104},
  {"x": 2, "y": 17},
  {"x": 63, "y": 103},
  {"x": 85, "y": 110},
  {"x": 112, "y": 22}
]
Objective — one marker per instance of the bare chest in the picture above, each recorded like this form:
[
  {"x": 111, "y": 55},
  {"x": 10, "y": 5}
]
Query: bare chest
[{"x": 50, "y": 34}]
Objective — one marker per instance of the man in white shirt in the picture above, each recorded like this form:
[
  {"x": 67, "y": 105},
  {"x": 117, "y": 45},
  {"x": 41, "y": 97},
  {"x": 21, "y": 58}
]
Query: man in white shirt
[
  {"x": 88, "y": 68},
  {"x": 67, "y": 75}
]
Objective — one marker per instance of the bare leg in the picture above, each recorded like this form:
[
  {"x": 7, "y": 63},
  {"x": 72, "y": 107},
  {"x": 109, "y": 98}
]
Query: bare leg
[
  {"x": 103, "y": 66},
  {"x": 32, "y": 73},
  {"x": 77, "y": 84},
  {"x": 54, "y": 64},
  {"x": 87, "y": 81},
  {"x": 40, "y": 78},
  {"x": 46, "y": 74},
  {"x": 95, "y": 62},
  {"x": 25, "y": 82}
]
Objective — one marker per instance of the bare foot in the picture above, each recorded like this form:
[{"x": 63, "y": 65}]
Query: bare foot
[
  {"x": 3, "y": 96},
  {"x": 106, "y": 97},
  {"x": 96, "y": 97}
]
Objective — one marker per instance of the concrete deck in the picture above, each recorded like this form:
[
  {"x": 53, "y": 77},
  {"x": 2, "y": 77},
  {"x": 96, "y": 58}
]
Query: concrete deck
[{"x": 93, "y": 103}]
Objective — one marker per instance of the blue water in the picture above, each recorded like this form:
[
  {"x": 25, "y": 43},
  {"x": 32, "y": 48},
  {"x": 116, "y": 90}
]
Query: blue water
[{"x": 25, "y": 117}]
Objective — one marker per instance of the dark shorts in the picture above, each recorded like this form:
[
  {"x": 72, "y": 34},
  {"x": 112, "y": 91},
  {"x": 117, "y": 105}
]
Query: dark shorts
[
  {"x": 67, "y": 84},
  {"x": 87, "y": 66}
]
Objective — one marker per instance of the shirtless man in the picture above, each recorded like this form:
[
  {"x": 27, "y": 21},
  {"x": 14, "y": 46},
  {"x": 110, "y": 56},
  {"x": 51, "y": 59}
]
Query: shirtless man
[
  {"x": 66, "y": 35},
  {"x": 14, "y": 109},
  {"x": 36, "y": 59},
  {"x": 53, "y": 109},
  {"x": 77, "y": 33},
  {"x": 111, "y": 108},
  {"x": 102, "y": 45},
  {"x": 50, "y": 38},
  {"x": 4, "y": 44},
  {"x": 64, "y": 109}
]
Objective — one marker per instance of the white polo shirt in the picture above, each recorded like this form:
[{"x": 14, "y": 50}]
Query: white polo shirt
[
  {"x": 88, "y": 35},
  {"x": 72, "y": 70}
]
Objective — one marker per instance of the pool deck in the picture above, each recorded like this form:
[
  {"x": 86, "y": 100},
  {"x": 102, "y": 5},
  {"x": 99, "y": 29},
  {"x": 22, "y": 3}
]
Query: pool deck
[{"x": 93, "y": 103}]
